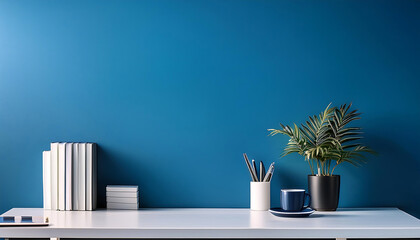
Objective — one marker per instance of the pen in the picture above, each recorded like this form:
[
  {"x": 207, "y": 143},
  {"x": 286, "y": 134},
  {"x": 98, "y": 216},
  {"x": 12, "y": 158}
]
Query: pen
[
  {"x": 262, "y": 171},
  {"x": 254, "y": 166},
  {"x": 270, "y": 169},
  {"x": 271, "y": 175},
  {"x": 254, "y": 178}
]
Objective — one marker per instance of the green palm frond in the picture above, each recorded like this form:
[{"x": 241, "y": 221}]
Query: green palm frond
[
  {"x": 347, "y": 136},
  {"x": 326, "y": 137},
  {"x": 296, "y": 144},
  {"x": 338, "y": 124},
  {"x": 317, "y": 133}
]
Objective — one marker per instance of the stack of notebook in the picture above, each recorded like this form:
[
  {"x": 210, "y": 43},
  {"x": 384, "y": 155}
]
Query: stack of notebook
[{"x": 122, "y": 197}]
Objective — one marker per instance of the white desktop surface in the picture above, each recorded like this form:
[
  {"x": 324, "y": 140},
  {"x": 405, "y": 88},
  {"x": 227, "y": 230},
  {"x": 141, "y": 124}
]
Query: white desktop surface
[{"x": 216, "y": 223}]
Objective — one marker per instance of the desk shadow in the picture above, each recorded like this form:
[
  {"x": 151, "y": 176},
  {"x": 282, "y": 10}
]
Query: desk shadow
[
  {"x": 365, "y": 209},
  {"x": 316, "y": 215}
]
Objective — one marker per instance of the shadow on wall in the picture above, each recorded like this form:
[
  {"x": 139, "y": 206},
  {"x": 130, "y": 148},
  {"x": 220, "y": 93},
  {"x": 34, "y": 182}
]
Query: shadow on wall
[
  {"x": 117, "y": 168},
  {"x": 156, "y": 185},
  {"x": 394, "y": 178}
]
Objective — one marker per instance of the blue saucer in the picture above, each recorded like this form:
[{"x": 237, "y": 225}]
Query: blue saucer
[{"x": 279, "y": 212}]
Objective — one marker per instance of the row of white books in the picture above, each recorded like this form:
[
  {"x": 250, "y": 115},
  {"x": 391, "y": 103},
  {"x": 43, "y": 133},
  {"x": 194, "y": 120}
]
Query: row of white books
[
  {"x": 70, "y": 176},
  {"x": 122, "y": 197}
]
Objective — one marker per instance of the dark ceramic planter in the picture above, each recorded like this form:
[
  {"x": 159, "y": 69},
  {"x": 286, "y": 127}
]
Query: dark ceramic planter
[{"x": 324, "y": 191}]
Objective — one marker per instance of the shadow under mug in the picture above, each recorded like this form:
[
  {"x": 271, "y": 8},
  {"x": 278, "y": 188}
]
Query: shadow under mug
[{"x": 293, "y": 200}]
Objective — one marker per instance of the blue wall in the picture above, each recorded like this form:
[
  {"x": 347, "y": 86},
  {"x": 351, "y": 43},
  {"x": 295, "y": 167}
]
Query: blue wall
[{"x": 175, "y": 91}]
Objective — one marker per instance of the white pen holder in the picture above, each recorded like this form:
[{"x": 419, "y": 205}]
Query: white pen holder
[{"x": 260, "y": 196}]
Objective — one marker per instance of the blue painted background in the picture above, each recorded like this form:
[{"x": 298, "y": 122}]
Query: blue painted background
[{"x": 175, "y": 91}]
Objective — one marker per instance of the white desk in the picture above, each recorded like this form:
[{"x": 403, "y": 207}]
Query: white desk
[{"x": 216, "y": 223}]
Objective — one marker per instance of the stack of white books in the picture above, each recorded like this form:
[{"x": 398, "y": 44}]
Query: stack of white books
[
  {"x": 70, "y": 176},
  {"x": 122, "y": 197}
]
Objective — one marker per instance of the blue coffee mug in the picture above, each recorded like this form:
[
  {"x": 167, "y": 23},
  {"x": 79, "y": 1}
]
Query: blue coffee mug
[{"x": 293, "y": 200}]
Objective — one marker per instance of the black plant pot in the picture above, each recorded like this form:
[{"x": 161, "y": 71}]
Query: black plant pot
[{"x": 324, "y": 191}]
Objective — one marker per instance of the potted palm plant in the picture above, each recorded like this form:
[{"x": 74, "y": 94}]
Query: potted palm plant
[{"x": 326, "y": 141}]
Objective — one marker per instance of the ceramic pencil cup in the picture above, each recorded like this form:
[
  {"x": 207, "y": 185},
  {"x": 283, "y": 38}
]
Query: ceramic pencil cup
[{"x": 260, "y": 196}]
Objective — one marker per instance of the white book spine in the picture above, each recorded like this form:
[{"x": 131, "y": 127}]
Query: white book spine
[
  {"x": 76, "y": 176},
  {"x": 95, "y": 177},
  {"x": 69, "y": 176},
  {"x": 82, "y": 177},
  {"x": 46, "y": 177},
  {"x": 54, "y": 176},
  {"x": 62, "y": 176},
  {"x": 89, "y": 176}
]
